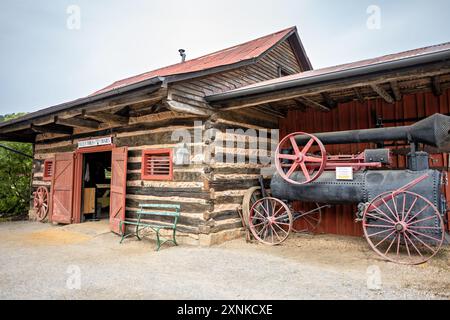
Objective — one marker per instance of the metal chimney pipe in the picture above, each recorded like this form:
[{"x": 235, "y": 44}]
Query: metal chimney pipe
[{"x": 183, "y": 55}]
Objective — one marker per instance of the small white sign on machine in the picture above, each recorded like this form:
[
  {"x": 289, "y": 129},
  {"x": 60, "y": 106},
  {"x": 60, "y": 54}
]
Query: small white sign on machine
[{"x": 344, "y": 173}]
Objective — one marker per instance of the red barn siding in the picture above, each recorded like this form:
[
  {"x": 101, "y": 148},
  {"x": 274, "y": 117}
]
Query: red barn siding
[{"x": 356, "y": 115}]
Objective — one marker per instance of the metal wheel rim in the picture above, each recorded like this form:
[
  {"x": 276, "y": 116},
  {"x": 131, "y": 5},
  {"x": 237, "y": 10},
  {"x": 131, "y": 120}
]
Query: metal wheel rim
[
  {"x": 300, "y": 158},
  {"x": 250, "y": 198},
  {"x": 262, "y": 219},
  {"x": 410, "y": 220}
]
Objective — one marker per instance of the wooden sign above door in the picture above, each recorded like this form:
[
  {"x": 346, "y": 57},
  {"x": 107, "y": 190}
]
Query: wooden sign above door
[{"x": 95, "y": 142}]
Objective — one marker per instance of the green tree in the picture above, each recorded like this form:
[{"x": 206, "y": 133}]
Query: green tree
[{"x": 15, "y": 175}]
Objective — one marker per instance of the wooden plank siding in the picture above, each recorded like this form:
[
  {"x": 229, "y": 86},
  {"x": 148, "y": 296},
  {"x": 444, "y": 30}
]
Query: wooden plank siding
[{"x": 192, "y": 92}]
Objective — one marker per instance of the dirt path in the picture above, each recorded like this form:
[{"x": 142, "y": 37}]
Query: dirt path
[{"x": 42, "y": 261}]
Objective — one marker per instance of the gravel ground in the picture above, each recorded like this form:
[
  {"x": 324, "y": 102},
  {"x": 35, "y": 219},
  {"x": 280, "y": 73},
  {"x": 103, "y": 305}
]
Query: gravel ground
[{"x": 38, "y": 261}]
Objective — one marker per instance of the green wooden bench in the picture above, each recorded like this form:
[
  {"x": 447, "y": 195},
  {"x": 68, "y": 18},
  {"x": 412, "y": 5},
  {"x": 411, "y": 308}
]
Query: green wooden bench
[{"x": 153, "y": 210}]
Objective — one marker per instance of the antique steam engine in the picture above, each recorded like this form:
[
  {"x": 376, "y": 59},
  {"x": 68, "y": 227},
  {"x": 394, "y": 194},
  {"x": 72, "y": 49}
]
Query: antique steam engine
[{"x": 401, "y": 211}]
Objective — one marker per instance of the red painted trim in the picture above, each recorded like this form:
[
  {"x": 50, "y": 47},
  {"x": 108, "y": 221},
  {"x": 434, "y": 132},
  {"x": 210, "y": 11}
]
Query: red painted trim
[
  {"x": 46, "y": 163},
  {"x": 78, "y": 175},
  {"x": 168, "y": 177}
]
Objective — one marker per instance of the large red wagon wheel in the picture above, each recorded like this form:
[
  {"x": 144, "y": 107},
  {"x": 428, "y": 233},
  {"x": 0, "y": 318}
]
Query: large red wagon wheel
[
  {"x": 294, "y": 158},
  {"x": 404, "y": 227},
  {"x": 270, "y": 221},
  {"x": 40, "y": 203},
  {"x": 308, "y": 218}
]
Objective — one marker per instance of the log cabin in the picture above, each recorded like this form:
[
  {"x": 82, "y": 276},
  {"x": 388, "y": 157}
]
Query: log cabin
[
  {"x": 107, "y": 153},
  {"x": 116, "y": 145}
]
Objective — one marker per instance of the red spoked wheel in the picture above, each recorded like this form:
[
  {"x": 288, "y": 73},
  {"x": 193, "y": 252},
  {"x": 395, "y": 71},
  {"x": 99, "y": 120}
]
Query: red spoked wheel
[
  {"x": 40, "y": 203},
  {"x": 308, "y": 218},
  {"x": 270, "y": 221},
  {"x": 404, "y": 227},
  {"x": 300, "y": 163}
]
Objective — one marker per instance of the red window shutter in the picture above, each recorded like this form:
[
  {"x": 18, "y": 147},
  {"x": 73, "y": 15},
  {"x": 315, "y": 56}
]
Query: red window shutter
[
  {"x": 157, "y": 164},
  {"x": 48, "y": 169}
]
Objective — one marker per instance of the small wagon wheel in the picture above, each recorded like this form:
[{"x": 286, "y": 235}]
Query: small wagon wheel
[
  {"x": 41, "y": 203},
  {"x": 309, "y": 218},
  {"x": 403, "y": 227},
  {"x": 292, "y": 158},
  {"x": 270, "y": 221}
]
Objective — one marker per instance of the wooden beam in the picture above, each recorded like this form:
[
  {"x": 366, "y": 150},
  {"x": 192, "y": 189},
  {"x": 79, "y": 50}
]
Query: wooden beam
[
  {"x": 359, "y": 95},
  {"x": 77, "y": 123},
  {"x": 108, "y": 118},
  {"x": 271, "y": 111},
  {"x": 330, "y": 103},
  {"x": 312, "y": 104},
  {"x": 396, "y": 90},
  {"x": 52, "y": 129},
  {"x": 436, "y": 86},
  {"x": 187, "y": 108},
  {"x": 382, "y": 93}
]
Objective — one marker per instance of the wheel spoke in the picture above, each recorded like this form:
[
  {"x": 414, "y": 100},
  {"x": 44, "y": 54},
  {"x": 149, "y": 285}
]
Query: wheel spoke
[
  {"x": 287, "y": 157},
  {"x": 422, "y": 220},
  {"x": 426, "y": 245},
  {"x": 305, "y": 171},
  {"x": 281, "y": 229},
  {"x": 414, "y": 246},
  {"x": 379, "y": 226},
  {"x": 385, "y": 239},
  {"x": 390, "y": 246},
  {"x": 375, "y": 217},
  {"x": 410, "y": 209},
  {"x": 308, "y": 146},
  {"x": 426, "y": 207},
  {"x": 389, "y": 208},
  {"x": 378, "y": 233},
  {"x": 424, "y": 235},
  {"x": 295, "y": 146},
  {"x": 407, "y": 247},
  {"x": 292, "y": 170}
]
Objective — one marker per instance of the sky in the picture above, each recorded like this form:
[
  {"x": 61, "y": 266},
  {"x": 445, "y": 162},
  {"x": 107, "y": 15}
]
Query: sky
[{"x": 54, "y": 51}]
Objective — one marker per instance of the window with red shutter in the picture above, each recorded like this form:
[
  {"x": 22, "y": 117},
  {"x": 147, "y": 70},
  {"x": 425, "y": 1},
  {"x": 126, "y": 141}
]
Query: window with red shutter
[
  {"x": 48, "y": 170},
  {"x": 157, "y": 164}
]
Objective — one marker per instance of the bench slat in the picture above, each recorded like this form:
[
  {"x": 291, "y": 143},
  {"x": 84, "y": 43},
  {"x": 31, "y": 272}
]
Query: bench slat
[
  {"x": 161, "y": 206},
  {"x": 164, "y": 214}
]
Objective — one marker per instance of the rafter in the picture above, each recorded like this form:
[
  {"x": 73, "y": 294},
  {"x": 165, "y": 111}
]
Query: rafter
[
  {"x": 382, "y": 93},
  {"x": 396, "y": 90},
  {"x": 105, "y": 117},
  {"x": 436, "y": 86},
  {"x": 312, "y": 104},
  {"x": 77, "y": 123}
]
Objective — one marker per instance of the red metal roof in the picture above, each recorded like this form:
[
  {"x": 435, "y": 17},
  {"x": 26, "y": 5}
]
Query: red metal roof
[
  {"x": 348, "y": 66},
  {"x": 246, "y": 51}
]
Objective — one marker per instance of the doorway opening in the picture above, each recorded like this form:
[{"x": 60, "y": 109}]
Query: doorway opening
[{"x": 96, "y": 186}]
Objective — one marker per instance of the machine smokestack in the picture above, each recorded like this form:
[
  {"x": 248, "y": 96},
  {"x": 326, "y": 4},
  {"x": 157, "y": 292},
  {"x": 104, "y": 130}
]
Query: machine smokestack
[{"x": 183, "y": 55}]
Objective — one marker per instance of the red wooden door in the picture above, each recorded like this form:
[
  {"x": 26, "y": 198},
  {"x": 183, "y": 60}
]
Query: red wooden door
[
  {"x": 62, "y": 188},
  {"x": 118, "y": 187}
]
